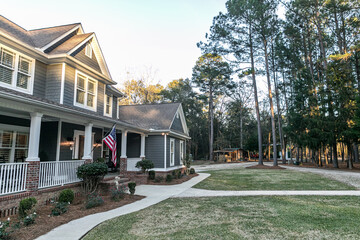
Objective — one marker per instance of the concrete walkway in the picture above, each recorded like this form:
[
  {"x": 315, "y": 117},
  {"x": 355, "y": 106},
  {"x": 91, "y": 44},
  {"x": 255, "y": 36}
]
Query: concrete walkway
[{"x": 154, "y": 194}]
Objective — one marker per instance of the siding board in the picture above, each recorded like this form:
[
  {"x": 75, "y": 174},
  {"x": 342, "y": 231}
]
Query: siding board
[
  {"x": 40, "y": 79},
  {"x": 154, "y": 150},
  {"x": 91, "y": 62},
  {"x": 53, "y": 82}
]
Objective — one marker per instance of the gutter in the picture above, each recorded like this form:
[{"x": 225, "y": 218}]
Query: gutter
[{"x": 169, "y": 131}]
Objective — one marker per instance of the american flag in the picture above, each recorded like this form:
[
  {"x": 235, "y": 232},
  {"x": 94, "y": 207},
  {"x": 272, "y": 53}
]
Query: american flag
[{"x": 110, "y": 141}]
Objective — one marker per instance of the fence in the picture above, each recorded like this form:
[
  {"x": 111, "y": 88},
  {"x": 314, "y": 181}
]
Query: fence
[
  {"x": 58, "y": 173},
  {"x": 12, "y": 177}
]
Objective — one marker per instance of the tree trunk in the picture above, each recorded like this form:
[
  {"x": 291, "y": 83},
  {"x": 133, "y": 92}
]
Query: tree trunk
[
  {"x": 335, "y": 160},
  {"x": 350, "y": 163},
  {"x": 356, "y": 153},
  {"x": 269, "y": 146},
  {"x": 273, "y": 128},
  {"x": 297, "y": 154},
  {"x": 211, "y": 142},
  {"x": 255, "y": 96},
  {"x": 241, "y": 128}
]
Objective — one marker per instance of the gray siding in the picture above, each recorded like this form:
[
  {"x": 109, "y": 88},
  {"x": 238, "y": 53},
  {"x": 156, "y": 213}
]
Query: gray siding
[
  {"x": 40, "y": 79},
  {"x": 133, "y": 145},
  {"x": 177, "y": 152},
  {"x": 100, "y": 98},
  {"x": 91, "y": 62},
  {"x": 154, "y": 150},
  {"x": 114, "y": 107},
  {"x": 177, "y": 126},
  {"x": 69, "y": 85},
  {"x": 53, "y": 82},
  {"x": 48, "y": 141}
]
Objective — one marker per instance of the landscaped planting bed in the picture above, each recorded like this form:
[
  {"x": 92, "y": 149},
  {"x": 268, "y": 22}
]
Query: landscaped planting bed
[
  {"x": 44, "y": 222},
  {"x": 268, "y": 179},
  {"x": 286, "y": 217}
]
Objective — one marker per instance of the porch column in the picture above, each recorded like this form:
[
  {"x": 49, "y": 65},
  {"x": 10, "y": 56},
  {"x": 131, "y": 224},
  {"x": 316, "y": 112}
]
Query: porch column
[
  {"x": 32, "y": 176},
  {"x": 142, "y": 147},
  {"x": 123, "y": 157},
  {"x": 88, "y": 143}
]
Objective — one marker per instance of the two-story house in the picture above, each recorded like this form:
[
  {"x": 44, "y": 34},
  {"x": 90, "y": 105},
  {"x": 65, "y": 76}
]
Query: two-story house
[{"x": 57, "y": 101}]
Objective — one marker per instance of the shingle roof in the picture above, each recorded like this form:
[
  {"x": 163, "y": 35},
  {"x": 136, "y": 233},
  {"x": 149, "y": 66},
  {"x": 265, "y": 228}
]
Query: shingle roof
[
  {"x": 37, "y": 37},
  {"x": 149, "y": 116},
  {"x": 114, "y": 91},
  {"x": 41, "y": 37},
  {"x": 70, "y": 44}
]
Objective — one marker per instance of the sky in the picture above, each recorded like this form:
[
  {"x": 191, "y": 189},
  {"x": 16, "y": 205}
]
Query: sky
[{"x": 137, "y": 37}]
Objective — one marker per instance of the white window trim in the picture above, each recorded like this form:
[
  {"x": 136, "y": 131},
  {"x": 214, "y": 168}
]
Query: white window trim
[
  {"x": 111, "y": 105},
  {"x": 77, "y": 72},
  {"x": 13, "y": 86},
  {"x": 172, "y": 161},
  {"x": 77, "y": 134},
  {"x": 117, "y": 108},
  {"x": 15, "y": 130},
  {"x": 181, "y": 151},
  {"x": 88, "y": 45}
]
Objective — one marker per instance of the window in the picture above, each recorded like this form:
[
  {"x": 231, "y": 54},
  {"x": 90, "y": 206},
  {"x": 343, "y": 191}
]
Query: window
[
  {"x": 15, "y": 70},
  {"x": 182, "y": 152},
  {"x": 172, "y": 152},
  {"x": 85, "y": 92},
  {"x": 108, "y": 105},
  {"x": 88, "y": 50},
  {"x": 13, "y": 146}
]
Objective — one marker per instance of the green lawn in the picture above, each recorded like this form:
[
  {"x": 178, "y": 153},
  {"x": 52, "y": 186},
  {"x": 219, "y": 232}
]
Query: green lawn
[
  {"x": 301, "y": 217},
  {"x": 263, "y": 179}
]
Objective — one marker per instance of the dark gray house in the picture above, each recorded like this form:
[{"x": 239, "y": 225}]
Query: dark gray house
[{"x": 57, "y": 101}]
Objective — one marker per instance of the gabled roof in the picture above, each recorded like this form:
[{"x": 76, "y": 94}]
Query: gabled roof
[
  {"x": 149, "y": 116},
  {"x": 112, "y": 90},
  {"x": 70, "y": 44},
  {"x": 42, "y": 37},
  {"x": 56, "y": 40}
]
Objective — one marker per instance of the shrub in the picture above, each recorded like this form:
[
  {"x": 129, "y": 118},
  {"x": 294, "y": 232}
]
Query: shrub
[
  {"x": 66, "y": 196},
  {"x": 169, "y": 178},
  {"x": 60, "y": 208},
  {"x": 26, "y": 206},
  {"x": 118, "y": 193},
  {"x": 144, "y": 165},
  {"x": 3, "y": 226},
  {"x": 29, "y": 219},
  {"x": 159, "y": 179},
  {"x": 192, "y": 171},
  {"x": 100, "y": 160},
  {"x": 93, "y": 200},
  {"x": 131, "y": 186},
  {"x": 152, "y": 175},
  {"x": 91, "y": 174},
  {"x": 177, "y": 174}
]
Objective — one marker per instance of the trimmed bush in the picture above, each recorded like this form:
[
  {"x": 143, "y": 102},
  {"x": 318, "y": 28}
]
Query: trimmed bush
[
  {"x": 118, "y": 193},
  {"x": 159, "y": 179},
  {"x": 131, "y": 187},
  {"x": 192, "y": 171},
  {"x": 169, "y": 178},
  {"x": 144, "y": 165},
  {"x": 26, "y": 205},
  {"x": 176, "y": 174},
  {"x": 66, "y": 196},
  {"x": 91, "y": 174},
  {"x": 152, "y": 175},
  {"x": 93, "y": 200},
  {"x": 60, "y": 208}
]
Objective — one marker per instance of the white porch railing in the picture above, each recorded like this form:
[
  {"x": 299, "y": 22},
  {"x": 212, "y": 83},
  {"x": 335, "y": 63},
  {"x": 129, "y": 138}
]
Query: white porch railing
[
  {"x": 131, "y": 162},
  {"x": 58, "y": 173},
  {"x": 12, "y": 177}
]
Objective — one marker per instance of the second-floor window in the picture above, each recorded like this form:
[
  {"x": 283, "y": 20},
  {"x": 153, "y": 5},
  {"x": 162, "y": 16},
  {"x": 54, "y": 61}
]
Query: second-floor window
[
  {"x": 108, "y": 106},
  {"x": 86, "y": 92},
  {"x": 15, "y": 70}
]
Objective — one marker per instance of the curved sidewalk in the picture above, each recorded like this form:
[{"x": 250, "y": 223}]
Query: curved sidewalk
[{"x": 154, "y": 194}]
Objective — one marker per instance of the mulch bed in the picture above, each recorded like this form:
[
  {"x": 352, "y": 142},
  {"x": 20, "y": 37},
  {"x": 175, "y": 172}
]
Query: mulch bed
[
  {"x": 174, "y": 181},
  {"x": 44, "y": 222},
  {"x": 265, "y": 167}
]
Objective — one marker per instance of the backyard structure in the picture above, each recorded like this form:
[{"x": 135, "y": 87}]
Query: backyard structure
[
  {"x": 229, "y": 154},
  {"x": 57, "y": 101}
]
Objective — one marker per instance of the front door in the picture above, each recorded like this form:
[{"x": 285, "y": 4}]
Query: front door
[{"x": 81, "y": 147}]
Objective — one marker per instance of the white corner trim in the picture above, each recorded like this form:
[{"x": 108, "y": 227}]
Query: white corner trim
[
  {"x": 172, "y": 140},
  {"x": 62, "y": 84},
  {"x": 58, "y": 141},
  {"x": 165, "y": 151}
]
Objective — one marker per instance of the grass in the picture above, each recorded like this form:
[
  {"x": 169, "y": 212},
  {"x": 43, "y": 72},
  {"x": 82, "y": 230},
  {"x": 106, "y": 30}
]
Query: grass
[
  {"x": 263, "y": 179},
  {"x": 301, "y": 217}
]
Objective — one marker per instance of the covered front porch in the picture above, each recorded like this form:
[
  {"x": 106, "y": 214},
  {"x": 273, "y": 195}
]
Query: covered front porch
[{"x": 40, "y": 150}]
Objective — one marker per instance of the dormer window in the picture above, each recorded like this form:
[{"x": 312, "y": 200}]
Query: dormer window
[
  {"x": 16, "y": 70},
  {"x": 108, "y": 106},
  {"x": 88, "y": 50}
]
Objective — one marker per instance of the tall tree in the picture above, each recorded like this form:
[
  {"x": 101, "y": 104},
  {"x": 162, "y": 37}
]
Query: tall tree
[{"x": 212, "y": 75}]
